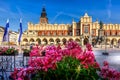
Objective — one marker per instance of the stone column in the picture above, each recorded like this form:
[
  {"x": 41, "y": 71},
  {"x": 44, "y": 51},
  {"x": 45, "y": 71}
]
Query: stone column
[
  {"x": 55, "y": 42},
  {"x": 61, "y": 43},
  {"x": 73, "y": 28},
  {"x": 82, "y": 42}
]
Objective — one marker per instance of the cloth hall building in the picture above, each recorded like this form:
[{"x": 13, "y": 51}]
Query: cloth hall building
[{"x": 84, "y": 30}]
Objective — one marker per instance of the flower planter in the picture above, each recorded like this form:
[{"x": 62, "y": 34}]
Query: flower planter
[
  {"x": 12, "y": 54},
  {"x": 8, "y": 51}
]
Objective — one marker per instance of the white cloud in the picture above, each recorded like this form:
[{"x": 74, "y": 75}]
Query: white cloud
[
  {"x": 66, "y": 14},
  {"x": 56, "y": 16},
  {"x": 109, "y": 9},
  {"x": 19, "y": 11}
]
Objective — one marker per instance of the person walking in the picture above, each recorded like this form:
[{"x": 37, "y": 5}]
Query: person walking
[{"x": 31, "y": 46}]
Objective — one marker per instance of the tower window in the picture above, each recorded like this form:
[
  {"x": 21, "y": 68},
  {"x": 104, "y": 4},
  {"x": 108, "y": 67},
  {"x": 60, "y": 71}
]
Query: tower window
[{"x": 77, "y": 32}]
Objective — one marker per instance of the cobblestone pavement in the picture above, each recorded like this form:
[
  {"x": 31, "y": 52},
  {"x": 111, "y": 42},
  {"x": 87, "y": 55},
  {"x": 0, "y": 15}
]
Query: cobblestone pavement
[{"x": 113, "y": 58}]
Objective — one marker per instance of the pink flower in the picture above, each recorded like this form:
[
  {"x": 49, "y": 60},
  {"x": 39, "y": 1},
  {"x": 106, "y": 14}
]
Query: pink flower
[
  {"x": 89, "y": 47},
  {"x": 96, "y": 65},
  {"x": 106, "y": 63},
  {"x": 54, "y": 54},
  {"x": 36, "y": 50},
  {"x": 20, "y": 79},
  {"x": 109, "y": 73}
]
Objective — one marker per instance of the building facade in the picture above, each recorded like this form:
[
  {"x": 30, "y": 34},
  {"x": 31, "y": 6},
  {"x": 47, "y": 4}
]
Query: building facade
[
  {"x": 82, "y": 31},
  {"x": 1, "y": 34},
  {"x": 13, "y": 38}
]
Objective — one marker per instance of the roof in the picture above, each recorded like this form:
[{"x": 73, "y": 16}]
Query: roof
[
  {"x": 86, "y": 15},
  {"x": 1, "y": 27}
]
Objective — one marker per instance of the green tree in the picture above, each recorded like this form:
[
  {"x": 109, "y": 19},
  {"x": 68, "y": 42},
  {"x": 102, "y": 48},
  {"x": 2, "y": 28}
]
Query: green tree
[{"x": 101, "y": 25}]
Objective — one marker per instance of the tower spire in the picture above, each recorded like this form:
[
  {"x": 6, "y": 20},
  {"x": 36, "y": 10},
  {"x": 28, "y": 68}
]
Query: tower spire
[
  {"x": 43, "y": 18},
  {"x": 43, "y": 14}
]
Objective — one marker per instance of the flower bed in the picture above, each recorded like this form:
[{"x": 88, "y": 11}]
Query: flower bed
[
  {"x": 35, "y": 51},
  {"x": 70, "y": 63},
  {"x": 5, "y": 51}
]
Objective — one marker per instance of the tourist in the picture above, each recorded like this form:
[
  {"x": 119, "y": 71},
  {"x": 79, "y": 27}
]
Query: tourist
[{"x": 31, "y": 47}]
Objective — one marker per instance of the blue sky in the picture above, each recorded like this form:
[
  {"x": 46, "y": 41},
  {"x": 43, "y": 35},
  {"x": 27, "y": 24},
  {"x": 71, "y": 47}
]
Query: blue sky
[{"x": 58, "y": 11}]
